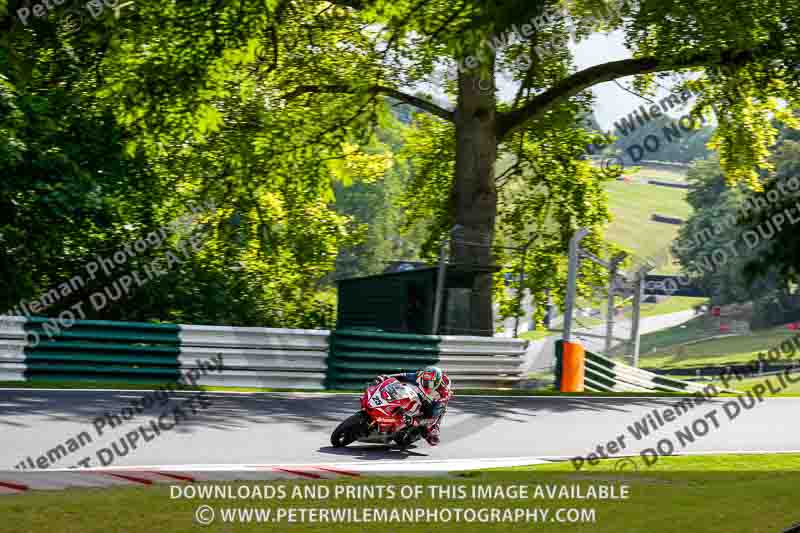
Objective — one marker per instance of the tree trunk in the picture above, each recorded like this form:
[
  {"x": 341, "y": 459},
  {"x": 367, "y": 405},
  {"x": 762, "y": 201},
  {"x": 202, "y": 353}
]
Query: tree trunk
[{"x": 474, "y": 197}]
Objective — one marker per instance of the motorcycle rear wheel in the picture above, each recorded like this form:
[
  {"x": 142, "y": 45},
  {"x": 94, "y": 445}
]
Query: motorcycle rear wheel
[{"x": 348, "y": 431}]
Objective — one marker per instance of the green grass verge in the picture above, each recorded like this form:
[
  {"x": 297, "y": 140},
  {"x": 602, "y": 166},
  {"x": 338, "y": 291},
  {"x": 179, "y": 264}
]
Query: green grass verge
[
  {"x": 720, "y": 351},
  {"x": 669, "y": 305},
  {"x": 665, "y": 339},
  {"x": 729, "y": 494},
  {"x": 632, "y": 205},
  {"x": 539, "y": 334},
  {"x": 791, "y": 390},
  {"x": 644, "y": 172},
  {"x": 778, "y": 462}
]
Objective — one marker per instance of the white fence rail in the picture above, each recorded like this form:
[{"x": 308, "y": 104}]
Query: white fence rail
[
  {"x": 479, "y": 362},
  {"x": 294, "y": 358},
  {"x": 286, "y": 358},
  {"x": 12, "y": 349},
  {"x": 258, "y": 357}
]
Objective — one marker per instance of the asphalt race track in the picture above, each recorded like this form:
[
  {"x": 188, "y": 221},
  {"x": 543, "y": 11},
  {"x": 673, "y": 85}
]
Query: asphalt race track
[{"x": 253, "y": 429}]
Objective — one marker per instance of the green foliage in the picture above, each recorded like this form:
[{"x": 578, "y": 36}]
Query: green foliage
[
  {"x": 430, "y": 150},
  {"x": 91, "y": 170},
  {"x": 677, "y": 145},
  {"x": 743, "y": 94},
  {"x": 719, "y": 241},
  {"x": 60, "y": 155},
  {"x": 270, "y": 110},
  {"x": 782, "y": 254},
  {"x": 377, "y": 206},
  {"x": 547, "y": 196},
  {"x": 709, "y": 244}
]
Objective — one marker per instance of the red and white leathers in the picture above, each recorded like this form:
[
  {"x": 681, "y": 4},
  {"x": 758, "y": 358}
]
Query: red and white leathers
[{"x": 433, "y": 407}]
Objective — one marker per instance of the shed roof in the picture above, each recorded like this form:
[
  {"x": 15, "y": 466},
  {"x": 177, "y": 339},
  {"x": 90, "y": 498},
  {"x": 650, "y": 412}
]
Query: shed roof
[{"x": 453, "y": 270}]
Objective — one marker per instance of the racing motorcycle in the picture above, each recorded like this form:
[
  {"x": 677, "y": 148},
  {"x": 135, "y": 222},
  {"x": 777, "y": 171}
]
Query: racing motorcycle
[{"x": 388, "y": 413}]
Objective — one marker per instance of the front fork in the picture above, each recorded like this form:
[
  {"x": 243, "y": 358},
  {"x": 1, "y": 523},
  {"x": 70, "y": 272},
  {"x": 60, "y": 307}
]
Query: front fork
[{"x": 438, "y": 419}]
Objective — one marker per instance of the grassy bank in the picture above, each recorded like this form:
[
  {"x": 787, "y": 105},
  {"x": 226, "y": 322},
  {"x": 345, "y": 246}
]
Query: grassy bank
[
  {"x": 632, "y": 205},
  {"x": 791, "y": 389},
  {"x": 673, "y": 304},
  {"x": 539, "y": 334},
  {"x": 667, "y": 306},
  {"x": 669, "y": 353},
  {"x": 708, "y": 495},
  {"x": 34, "y": 384},
  {"x": 778, "y": 462}
]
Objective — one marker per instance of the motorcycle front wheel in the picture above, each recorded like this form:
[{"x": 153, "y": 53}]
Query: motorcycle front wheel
[{"x": 348, "y": 431}]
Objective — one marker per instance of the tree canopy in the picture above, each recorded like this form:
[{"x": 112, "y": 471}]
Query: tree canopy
[{"x": 265, "y": 106}]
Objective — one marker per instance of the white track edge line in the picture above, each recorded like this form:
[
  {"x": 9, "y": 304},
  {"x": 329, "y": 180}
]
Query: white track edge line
[
  {"x": 322, "y": 393},
  {"x": 455, "y": 462}
]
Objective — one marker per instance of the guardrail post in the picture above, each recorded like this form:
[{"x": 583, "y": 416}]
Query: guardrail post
[
  {"x": 573, "y": 367},
  {"x": 637, "y": 311},
  {"x": 572, "y": 278},
  {"x": 440, "y": 279},
  {"x": 612, "y": 278},
  {"x": 521, "y": 292}
]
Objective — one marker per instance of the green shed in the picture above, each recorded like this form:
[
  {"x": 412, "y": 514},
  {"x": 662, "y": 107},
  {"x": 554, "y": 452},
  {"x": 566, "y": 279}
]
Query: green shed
[{"x": 404, "y": 301}]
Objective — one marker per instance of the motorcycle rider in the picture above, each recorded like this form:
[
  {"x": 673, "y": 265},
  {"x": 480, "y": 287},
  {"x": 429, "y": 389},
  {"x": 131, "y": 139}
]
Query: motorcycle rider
[{"x": 435, "y": 392}]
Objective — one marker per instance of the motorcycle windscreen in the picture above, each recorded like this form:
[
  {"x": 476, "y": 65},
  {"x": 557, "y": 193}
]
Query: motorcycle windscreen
[{"x": 396, "y": 391}]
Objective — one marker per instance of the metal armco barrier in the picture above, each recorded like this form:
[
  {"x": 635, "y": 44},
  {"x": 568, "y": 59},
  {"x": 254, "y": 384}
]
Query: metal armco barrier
[
  {"x": 101, "y": 350},
  {"x": 357, "y": 356},
  {"x": 604, "y": 375},
  {"x": 482, "y": 362},
  {"x": 33, "y": 348},
  {"x": 471, "y": 362},
  {"x": 12, "y": 349},
  {"x": 258, "y": 357}
]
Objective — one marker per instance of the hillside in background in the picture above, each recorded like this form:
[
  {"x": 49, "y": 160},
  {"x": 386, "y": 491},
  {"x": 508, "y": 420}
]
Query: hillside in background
[
  {"x": 670, "y": 139},
  {"x": 632, "y": 204}
]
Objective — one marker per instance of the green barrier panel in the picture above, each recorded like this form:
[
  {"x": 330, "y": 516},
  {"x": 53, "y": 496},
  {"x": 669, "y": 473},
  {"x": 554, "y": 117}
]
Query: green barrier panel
[
  {"x": 358, "y": 355},
  {"x": 599, "y": 377},
  {"x": 559, "y": 362},
  {"x": 154, "y": 380},
  {"x": 604, "y": 372},
  {"x": 600, "y": 360},
  {"x": 102, "y": 350},
  {"x": 108, "y": 347},
  {"x": 100, "y": 358}
]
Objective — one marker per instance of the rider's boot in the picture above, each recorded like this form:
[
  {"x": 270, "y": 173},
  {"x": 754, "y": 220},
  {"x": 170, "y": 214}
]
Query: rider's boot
[{"x": 432, "y": 435}]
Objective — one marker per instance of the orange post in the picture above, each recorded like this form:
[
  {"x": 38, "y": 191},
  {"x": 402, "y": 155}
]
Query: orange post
[{"x": 573, "y": 364}]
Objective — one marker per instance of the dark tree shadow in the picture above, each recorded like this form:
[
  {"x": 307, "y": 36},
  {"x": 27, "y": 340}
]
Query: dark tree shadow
[{"x": 372, "y": 452}]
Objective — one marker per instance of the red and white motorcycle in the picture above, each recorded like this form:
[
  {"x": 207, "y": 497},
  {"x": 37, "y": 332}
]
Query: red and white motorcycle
[{"x": 388, "y": 413}]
